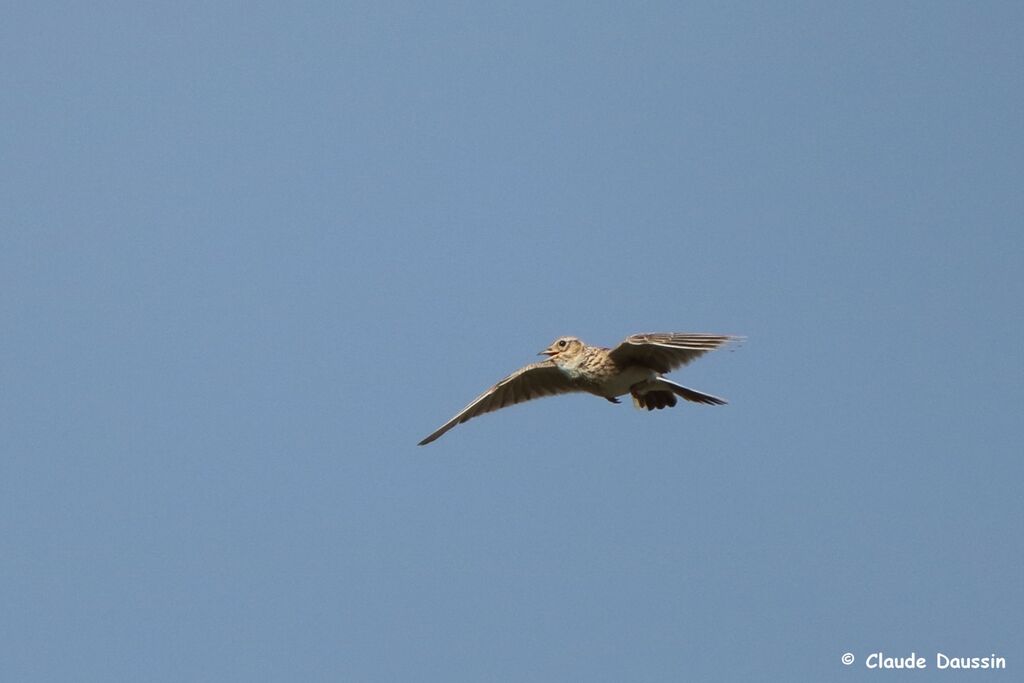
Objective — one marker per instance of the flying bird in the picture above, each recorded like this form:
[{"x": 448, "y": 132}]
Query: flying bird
[{"x": 633, "y": 367}]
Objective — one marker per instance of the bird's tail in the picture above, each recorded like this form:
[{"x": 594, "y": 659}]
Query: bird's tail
[
  {"x": 654, "y": 399},
  {"x": 692, "y": 395}
]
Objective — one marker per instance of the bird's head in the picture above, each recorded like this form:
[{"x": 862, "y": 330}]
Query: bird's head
[{"x": 563, "y": 348}]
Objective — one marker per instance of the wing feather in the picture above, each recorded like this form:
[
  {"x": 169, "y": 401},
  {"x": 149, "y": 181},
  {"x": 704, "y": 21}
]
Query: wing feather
[
  {"x": 533, "y": 381},
  {"x": 666, "y": 351}
]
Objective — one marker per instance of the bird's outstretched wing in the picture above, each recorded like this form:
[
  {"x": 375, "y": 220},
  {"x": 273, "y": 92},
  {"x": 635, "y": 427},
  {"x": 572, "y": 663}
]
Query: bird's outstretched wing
[
  {"x": 666, "y": 351},
  {"x": 530, "y": 382}
]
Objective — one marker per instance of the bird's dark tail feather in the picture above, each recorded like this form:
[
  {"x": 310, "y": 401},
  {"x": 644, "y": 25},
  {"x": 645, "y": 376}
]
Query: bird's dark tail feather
[
  {"x": 654, "y": 399},
  {"x": 691, "y": 395}
]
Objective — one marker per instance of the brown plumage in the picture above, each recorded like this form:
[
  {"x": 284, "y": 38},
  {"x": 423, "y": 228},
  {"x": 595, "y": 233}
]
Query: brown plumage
[{"x": 635, "y": 367}]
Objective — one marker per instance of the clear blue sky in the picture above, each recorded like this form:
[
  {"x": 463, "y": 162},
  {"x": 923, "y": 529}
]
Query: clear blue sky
[{"x": 253, "y": 252}]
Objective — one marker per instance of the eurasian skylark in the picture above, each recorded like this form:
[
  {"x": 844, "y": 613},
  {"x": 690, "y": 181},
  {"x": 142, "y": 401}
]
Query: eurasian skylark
[{"x": 633, "y": 367}]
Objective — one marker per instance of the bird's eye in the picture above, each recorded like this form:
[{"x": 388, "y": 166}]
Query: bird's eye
[{"x": 561, "y": 343}]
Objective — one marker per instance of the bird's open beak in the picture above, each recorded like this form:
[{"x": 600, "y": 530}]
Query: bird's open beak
[{"x": 547, "y": 352}]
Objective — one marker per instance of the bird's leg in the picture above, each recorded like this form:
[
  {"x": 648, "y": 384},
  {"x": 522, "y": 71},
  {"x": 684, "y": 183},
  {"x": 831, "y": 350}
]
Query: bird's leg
[
  {"x": 612, "y": 399},
  {"x": 641, "y": 400},
  {"x": 637, "y": 401}
]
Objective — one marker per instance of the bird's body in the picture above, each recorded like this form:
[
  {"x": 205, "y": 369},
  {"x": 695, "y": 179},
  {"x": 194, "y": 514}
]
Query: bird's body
[
  {"x": 619, "y": 381},
  {"x": 633, "y": 367}
]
